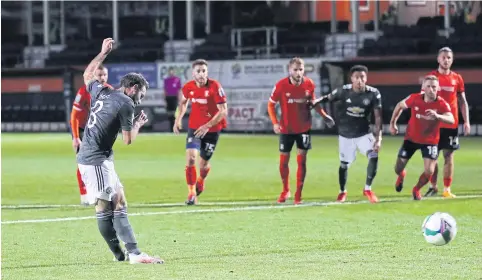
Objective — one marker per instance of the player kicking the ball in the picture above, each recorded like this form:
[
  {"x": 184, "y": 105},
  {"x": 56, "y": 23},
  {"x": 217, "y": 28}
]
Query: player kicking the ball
[
  {"x": 452, "y": 90},
  {"x": 78, "y": 120},
  {"x": 294, "y": 94},
  {"x": 355, "y": 103},
  {"x": 207, "y": 119},
  {"x": 111, "y": 111},
  {"x": 428, "y": 112}
]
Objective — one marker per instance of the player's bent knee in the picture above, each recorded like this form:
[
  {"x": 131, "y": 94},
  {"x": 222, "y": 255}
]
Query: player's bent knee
[{"x": 428, "y": 172}]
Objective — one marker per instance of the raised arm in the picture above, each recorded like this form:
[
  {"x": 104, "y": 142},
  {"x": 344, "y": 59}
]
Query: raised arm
[{"x": 89, "y": 75}]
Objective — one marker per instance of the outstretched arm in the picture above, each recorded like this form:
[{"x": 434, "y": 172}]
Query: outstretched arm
[{"x": 89, "y": 75}]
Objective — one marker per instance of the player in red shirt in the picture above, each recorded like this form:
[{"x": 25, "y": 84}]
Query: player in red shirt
[
  {"x": 294, "y": 94},
  {"x": 206, "y": 120},
  {"x": 452, "y": 89},
  {"x": 78, "y": 119},
  {"x": 428, "y": 112}
]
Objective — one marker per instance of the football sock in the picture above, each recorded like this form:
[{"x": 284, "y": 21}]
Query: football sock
[
  {"x": 422, "y": 180},
  {"x": 191, "y": 179},
  {"x": 284, "y": 171},
  {"x": 82, "y": 188},
  {"x": 433, "y": 179},
  {"x": 124, "y": 230},
  {"x": 371, "y": 171},
  {"x": 447, "y": 184},
  {"x": 342, "y": 176},
  {"x": 301, "y": 172},
  {"x": 203, "y": 174},
  {"x": 106, "y": 228},
  {"x": 402, "y": 174}
]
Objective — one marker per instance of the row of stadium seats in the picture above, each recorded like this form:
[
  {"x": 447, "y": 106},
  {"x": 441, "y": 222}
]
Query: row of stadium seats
[
  {"x": 33, "y": 113},
  {"x": 304, "y": 39},
  {"x": 423, "y": 38},
  {"x": 133, "y": 49}
]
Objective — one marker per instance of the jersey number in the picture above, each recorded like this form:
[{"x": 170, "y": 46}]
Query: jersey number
[
  {"x": 93, "y": 111},
  {"x": 306, "y": 139},
  {"x": 454, "y": 140},
  {"x": 432, "y": 151},
  {"x": 209, "y": 148}
]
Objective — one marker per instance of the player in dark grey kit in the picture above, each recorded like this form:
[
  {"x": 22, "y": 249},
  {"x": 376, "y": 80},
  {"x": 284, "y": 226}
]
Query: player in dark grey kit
[
  {"x": 354, "y": 103},
  {"x": 112, "y": 110}
]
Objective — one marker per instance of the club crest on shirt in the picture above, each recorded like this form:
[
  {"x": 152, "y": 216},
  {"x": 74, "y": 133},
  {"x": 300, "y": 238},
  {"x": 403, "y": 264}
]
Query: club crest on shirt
[
  {"x": 191, "y": 93},
  {"x": 416, "y": 108},
  {"x": 206, "y": 93},
  {"x": 288, "y": 94},
  {"x": 454, "y": 82},
  {"x": 366, "y": 101}
]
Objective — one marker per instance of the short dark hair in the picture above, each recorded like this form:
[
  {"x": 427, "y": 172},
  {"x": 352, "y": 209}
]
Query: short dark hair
[
  {"x": 358, "y": 68},
  {"x": 199, "y": 62},
  {"x": 171, "y": 68},
  {"x": 132, "y": 79}
]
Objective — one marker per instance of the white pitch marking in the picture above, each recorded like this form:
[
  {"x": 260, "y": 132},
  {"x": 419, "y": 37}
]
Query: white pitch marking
[
  {"x": 232, "y": 209},
  {"x": 212, "y": 203}
]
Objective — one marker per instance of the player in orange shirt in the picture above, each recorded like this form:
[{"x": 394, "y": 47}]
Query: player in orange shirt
[
  {"x": 429, "y": 113},
  {"x": 452, "y": 90},
  {"x": 295, "y": 94},
  {"x": 78, "y": 119},
  {"x": 206, "y": 120}
]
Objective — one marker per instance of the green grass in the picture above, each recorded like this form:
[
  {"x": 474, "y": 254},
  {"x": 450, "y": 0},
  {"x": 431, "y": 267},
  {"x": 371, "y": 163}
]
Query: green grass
[{"x": 251, "y": 240}]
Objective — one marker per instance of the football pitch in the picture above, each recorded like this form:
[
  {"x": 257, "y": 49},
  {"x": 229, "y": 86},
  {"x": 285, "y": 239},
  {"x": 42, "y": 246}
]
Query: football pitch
[{"x": 237, "y": 231}]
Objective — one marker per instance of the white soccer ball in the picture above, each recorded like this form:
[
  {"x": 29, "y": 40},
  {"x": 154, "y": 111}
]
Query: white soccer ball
[{"x": 439, "y": 228}]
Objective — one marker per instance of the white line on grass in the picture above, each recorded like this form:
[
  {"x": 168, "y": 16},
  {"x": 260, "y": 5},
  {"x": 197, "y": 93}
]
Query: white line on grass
[
  {"x": 212, "y": 203},
  {"x": 232, "y": 209},
  {"x": 220, "y": 203}
]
